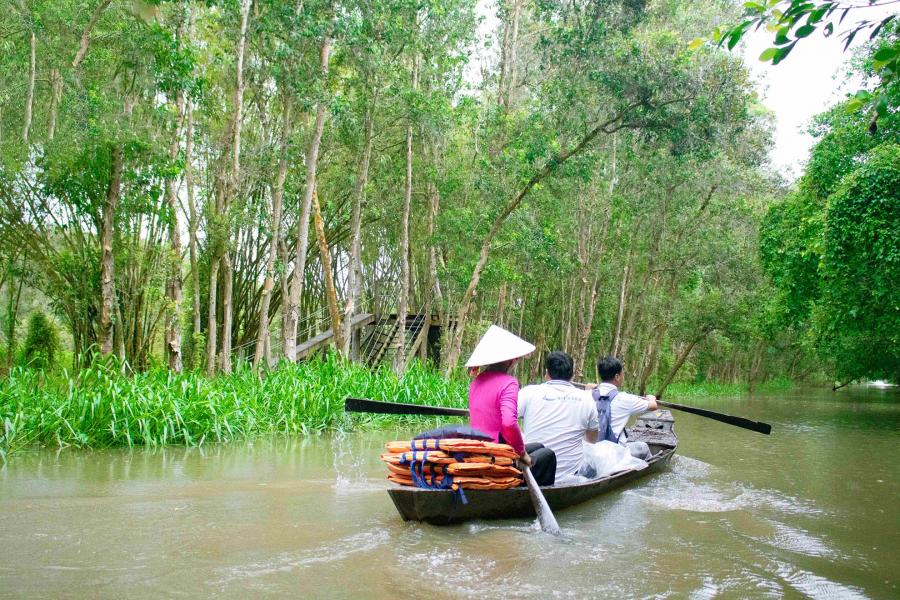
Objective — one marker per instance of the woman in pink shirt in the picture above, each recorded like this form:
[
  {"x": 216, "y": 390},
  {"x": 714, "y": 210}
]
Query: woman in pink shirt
[{"x": 493, "y": 397}]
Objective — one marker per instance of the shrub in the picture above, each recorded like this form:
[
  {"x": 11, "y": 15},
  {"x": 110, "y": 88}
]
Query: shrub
[{"x": 42, "y": 342}]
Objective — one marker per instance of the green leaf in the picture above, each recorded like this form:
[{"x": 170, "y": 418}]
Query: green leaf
[
  {"x": 696, "y": 43},
  {"x": 768, "y": 54},
  {"x": 886, "y": 54},
  {"x": 829, "y": 29},
  {"x": 782, "y": 53},
  {"x": 881, "y": 107},
  {"x": 781, "y": 38},
  {"x": 853, "y": 105},
  {"x": 804, "y": 31}
]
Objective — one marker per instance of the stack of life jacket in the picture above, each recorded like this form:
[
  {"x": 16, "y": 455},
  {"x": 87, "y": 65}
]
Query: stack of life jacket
[{"x": 452, "y": 464}]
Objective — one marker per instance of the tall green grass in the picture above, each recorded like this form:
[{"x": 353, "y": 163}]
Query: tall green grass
[{"x": 100, "y": 408}]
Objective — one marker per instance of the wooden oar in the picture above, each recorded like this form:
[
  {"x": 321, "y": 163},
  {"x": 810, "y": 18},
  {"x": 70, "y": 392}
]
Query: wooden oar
[
  {"x": 541, "y": 507},
  {"x": 544, "y": 514},
  {"x": 363, "y": 405},
  {"x": 758, "y": 426}
]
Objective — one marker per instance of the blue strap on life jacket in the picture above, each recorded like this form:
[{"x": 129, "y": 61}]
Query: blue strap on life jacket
[
  {"x": 604, "y": 414},
  {"x": 421, "y": 480}
]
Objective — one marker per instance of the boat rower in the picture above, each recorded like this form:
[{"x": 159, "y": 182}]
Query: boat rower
[{"x": 493, "y": 399}]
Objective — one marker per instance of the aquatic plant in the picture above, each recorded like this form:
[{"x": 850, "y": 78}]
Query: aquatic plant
[{"x": 99, "y": 407}]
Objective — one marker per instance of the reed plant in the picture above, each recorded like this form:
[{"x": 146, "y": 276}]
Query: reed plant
[{"x": 99, "y": 407}]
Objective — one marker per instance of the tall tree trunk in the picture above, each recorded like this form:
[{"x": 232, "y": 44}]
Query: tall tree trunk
[
  {"x": 55, "y": 97},
  {"x": 611, "y": 125},
  {"x": 275, "y": 228},
  {"x": 107, "y": 264},
  {"x": 86, "y": 33},
  {"x": 620, "y": 312},
  {"x": 14, "y": 291},
  {"x": 400, "y": 357},
  {"x": 312, "y": 163},
  {"x": 173, "y": 283},
  {"x": 211, "y": 325},
  {"x": 652, "y": 357},
  {"x": 234, "y": 186},
  {"x": 586, "y": 321},
  {"x": 330, "y": 291},
  {"x": 433, "y": 295},
  {"x": 589, "y": 303},
  {"x": 359, "y": 189},
  {"x": 194, "y": 223},
  {"x": 29, "y": 98},
  {"x": 508, "y": 54},
  {"x": 680, "y": 361}
]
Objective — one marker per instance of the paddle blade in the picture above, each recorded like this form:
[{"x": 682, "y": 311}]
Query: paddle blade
[
  {"x": 363, "y": 405},
  {"x": 544, "y": 514},
  {"x": 757, "y": 426}
]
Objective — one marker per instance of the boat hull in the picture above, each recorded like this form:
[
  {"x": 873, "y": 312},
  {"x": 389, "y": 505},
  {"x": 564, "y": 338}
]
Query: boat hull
[{"x": 445, "y": 507}]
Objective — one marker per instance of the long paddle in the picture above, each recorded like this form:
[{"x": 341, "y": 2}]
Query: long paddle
[
  {"x": 541, "y": 507},
  {"x": 362, "y": 405},
  {"x": 758, "y": 426}
]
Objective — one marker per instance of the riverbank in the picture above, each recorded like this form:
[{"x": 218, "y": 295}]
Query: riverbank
[{"x": 101, "y": 408}]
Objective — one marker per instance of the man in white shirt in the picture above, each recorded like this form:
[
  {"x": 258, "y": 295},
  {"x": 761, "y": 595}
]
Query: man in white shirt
[
  {"x": 559, "y": 415},
  {"x": 621, "y": 405}
]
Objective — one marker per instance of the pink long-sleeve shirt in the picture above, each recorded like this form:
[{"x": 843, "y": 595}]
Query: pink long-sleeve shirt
[{"x": 493, "y": 401}]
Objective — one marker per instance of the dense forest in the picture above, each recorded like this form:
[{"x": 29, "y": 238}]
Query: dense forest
[{"x": 205, "y": 186}]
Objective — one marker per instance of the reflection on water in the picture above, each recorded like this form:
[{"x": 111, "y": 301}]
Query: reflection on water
[{"x": 806, "y": 512}]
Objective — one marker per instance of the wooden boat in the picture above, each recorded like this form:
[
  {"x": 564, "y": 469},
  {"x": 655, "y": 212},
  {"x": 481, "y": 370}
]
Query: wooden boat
[{"x": 443, "y": 507}]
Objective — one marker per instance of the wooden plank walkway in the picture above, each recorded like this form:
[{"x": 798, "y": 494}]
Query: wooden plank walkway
[{"x": 314, "y": 343}]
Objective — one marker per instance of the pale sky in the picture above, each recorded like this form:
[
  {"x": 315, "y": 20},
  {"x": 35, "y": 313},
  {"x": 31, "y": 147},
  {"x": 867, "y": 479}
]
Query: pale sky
[{"x": 809, "y": 80}]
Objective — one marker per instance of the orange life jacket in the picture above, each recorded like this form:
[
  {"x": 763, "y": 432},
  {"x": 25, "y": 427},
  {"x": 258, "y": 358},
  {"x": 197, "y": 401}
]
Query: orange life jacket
[
  {"x": 452, "y": 463},
  {"x": 454, "y": 445}
]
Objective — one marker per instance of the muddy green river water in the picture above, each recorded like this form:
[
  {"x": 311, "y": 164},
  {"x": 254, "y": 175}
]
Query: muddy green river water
[{"x": 811, "y": 511}]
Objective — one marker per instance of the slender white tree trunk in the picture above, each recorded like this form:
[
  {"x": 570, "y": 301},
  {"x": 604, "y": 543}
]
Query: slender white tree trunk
[
  {"x": 107, "y": 262},
  {"x": 359, "y": 190},
  {"x": 233, "y": 188},
  {"x": 275, "y": 227},
  {"x": 403, "y": 308},
  {"x": 330, "y": 291},
  {"x": 312, "y": 163},
  {"x": 29, "y": 98},
  {"x": 173, "y": 283}
]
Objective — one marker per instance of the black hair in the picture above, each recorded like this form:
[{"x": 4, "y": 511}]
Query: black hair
[
  {"x": 559, "y": 365},
  {"x": 608, "y": 367},
  {"x": 500, "y": 367}
]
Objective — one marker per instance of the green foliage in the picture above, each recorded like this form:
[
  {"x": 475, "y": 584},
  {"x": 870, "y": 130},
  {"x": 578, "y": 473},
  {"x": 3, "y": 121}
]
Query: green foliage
[
  {"x": 832, "y": 247},
  {"x": 41, "y": 347},
  {"x": 100, "y": 407},
  {"x": 858, "y": 319}
]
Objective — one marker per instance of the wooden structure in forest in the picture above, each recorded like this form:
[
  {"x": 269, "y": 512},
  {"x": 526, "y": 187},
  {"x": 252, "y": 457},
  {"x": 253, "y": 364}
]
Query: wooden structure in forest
[
  {"x": 321, "y": 340},
  {"x": 377, "y": 339}
]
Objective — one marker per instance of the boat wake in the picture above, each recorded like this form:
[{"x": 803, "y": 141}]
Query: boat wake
[{"x": 332, "y": 552}]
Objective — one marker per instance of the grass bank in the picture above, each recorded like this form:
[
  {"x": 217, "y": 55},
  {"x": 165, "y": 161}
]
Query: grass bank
[
  {"x": 101, "y": 408},
  {"x": 711, "y": 388}
]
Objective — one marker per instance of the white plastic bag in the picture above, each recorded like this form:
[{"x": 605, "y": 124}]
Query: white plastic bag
[{"x": 604, "y": 458}]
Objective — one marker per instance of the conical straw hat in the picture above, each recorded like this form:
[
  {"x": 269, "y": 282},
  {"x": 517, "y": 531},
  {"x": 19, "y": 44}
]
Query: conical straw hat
[{"x": 498, "y": 345}]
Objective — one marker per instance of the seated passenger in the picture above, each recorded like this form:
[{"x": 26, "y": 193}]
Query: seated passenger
[
  {"x": 615, "y": 407},
  {"x": 493, "y": 397},
  {"x": 559, "y": 415}
]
